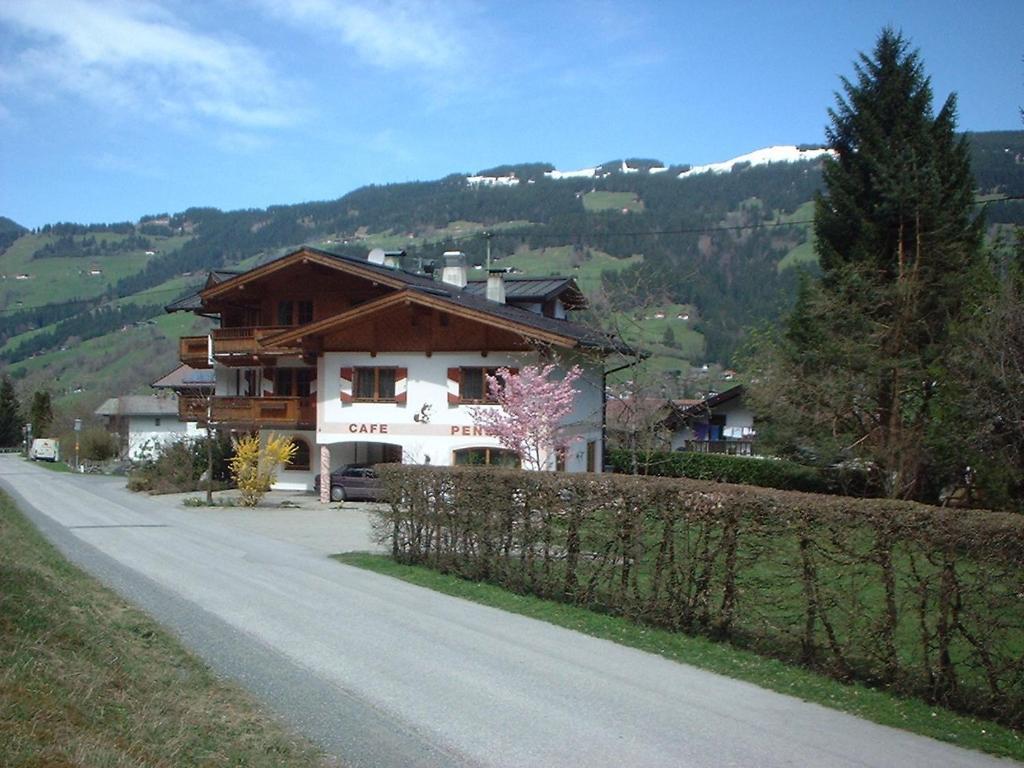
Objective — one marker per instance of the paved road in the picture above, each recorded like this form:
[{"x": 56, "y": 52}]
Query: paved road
[{"x": 383, "y": 673}]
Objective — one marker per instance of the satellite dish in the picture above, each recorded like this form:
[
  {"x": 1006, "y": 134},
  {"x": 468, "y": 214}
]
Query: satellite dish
[{"x": 376, "y": 256}]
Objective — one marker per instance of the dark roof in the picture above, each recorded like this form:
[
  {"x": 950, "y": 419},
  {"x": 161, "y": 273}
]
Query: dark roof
[
  {"x": 470, "y": 298},
  {"x": 527, "y": 288},
  {"x": 188, "y": 303},
  {"x": 585, "y": 336},
  {"x": 138, "y": 405},
  {"x": 701, "y": 407},
  {"x": 193, "y": 301}
]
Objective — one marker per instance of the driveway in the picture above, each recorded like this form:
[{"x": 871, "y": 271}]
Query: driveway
[
  {"x": 383, "y": 673},
  {"x": 294, "y": 517}
]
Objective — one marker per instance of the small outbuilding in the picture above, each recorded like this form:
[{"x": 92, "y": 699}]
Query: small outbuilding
[{"x": 143, "y": 422}]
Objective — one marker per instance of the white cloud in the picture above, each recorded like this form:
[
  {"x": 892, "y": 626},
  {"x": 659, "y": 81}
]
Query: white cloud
[
  {"x": 137, "y": 57},
  {"x": 389, "y": 35}
]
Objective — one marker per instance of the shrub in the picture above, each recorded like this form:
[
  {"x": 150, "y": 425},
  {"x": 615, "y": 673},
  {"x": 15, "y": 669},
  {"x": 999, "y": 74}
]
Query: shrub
[
  {"x": 768, "y": 473},
  {"x": 922, "y": 600},
  {"x": 254, "y": 466},
  {"x": 98, "y": 445},
  {"x": 179, "y": 466}
]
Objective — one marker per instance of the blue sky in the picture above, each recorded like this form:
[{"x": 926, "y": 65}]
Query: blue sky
[{"x": 111, "y": 110}]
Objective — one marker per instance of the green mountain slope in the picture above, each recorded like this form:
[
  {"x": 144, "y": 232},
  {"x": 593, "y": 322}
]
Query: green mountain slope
[{"x": 722, "y": 247}]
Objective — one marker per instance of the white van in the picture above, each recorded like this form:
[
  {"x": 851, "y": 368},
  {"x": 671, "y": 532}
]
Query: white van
[{"x": 44, "y": 449}]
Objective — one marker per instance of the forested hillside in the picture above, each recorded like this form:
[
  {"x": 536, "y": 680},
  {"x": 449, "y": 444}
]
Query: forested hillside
[{"x": 715, "y": 248}]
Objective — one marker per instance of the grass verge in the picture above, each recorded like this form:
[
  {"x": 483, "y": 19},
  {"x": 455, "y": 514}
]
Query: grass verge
[
  {"x": 53, "y": 466},
  {"x": 85, "y": 679},
  {"x": 871, "y": 704}
]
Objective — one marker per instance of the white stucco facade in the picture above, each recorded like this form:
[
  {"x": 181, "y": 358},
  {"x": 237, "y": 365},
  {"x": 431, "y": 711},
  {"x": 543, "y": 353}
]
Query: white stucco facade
[
  {"x": 427, "y": 428},
  {"x": 147, "y": 432},
  {"x": 738, "y": 424}
]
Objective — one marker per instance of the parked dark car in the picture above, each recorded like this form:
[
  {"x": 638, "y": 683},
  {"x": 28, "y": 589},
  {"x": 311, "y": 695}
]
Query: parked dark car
[{"x": 352, "y": 482}]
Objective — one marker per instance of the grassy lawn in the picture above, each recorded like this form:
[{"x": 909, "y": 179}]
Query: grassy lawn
[
  {"x": 804, "y": 252},
  {"x": 64, "y": 278},
  {"x": 647, "y": 330},
  {"x": 87, "y": 680},
  {"x": 53, "y": 466},
  {"x": 871, "y": 704},
  {"x": 612, "y": 201}
]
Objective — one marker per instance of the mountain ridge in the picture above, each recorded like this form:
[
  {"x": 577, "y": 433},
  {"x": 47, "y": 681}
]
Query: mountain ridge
[{"x": 715, "y": 247}]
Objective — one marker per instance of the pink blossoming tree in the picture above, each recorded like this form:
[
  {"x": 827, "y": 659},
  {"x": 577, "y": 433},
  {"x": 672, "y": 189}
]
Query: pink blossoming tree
[{"x": 531, "y": 406}]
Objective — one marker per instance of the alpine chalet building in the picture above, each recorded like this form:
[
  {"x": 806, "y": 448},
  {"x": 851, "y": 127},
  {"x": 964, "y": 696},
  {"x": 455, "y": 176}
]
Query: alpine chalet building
[{"x": 361, "y": 362}]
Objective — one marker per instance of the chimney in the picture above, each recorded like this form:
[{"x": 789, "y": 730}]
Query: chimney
[
  {"x": 454, "y": 272},
  {"x": 393, "y": 259},
  {"x": 496, "y": 285}
]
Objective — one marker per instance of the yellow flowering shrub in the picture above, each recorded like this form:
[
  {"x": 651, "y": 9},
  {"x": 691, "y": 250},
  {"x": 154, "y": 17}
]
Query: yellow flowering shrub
[{"x": 254, "y": 465}]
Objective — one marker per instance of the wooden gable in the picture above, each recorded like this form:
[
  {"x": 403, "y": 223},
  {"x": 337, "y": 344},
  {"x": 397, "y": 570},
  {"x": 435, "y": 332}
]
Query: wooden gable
[
  {"x": 331, "y": 285},
  {"x": 410, "y": 327}
]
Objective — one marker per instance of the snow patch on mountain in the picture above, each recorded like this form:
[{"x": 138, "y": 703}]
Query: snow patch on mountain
[
  {"x": 583, "y": 173},
  {"x": 784, "y": 153},
  {"x": 492, "y": 181}
]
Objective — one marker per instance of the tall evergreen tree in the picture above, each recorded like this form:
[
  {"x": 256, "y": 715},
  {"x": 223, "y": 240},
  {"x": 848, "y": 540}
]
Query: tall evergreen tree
[
  {"x": 40, "y": 415},
  {"x": 898, "y": 245},
  {"x": 10, "y": 415}
]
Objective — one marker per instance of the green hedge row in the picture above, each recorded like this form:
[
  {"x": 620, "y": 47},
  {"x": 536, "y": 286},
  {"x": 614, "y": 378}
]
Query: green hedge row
[
  {"x": 745, "y": 470},
  {"x": 922, "y": 600}
]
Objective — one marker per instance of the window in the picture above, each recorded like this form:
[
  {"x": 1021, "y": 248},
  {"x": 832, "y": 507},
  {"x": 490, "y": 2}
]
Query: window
[
  {"x": 374, "y": 384},
  {"x": 284, "y": 312},
  {"x": 294, "y": 312},
  {"x": 156, "y": 421},
  {"x": 289, "y": 382},
  {"x": 301, "y": 458},
  {"x": 249, "y": 386},
  {"x": 283, "y": 382},
  {"x": 495, "y": 457},
  {"x": 304, "y": 381},
  {"x": 473, "y": 387}
]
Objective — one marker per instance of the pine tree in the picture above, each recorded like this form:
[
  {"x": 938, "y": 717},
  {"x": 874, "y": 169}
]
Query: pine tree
[
  {"x": 10, "y": 415},
  {"x": 898, "y": 244},
  {"x": 40, "y": 415}
]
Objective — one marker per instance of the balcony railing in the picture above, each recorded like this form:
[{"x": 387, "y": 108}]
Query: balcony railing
[
  {"x": 194, "y": 351},
  {"x": 270, "y": 411},
  {"x": 730, "y": 447},
  {"x": 245, "y": 345}
]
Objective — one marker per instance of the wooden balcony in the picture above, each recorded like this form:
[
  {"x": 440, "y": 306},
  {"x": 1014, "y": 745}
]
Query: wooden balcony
[
  {"x": 193, "y": 351},
  {"x": 729, "y": 447},
  {"x": 270, "y": 411},
  {"x": 246, "y": 346}
]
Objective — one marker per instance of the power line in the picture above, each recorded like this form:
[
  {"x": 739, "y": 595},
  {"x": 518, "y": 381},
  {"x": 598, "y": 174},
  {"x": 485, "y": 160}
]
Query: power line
[{"x": 683, "y": 230}]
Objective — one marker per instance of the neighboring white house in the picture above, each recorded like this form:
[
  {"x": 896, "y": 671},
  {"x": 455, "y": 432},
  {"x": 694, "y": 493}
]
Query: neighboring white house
[
  {"x": 720, "y": 423},
  {"x": 363, "y": 362},
  {"x": 144, "y": 422}
]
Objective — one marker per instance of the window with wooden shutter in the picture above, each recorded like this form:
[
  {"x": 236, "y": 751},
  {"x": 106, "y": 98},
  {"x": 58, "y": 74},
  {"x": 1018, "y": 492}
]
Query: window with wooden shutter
[
  {"x": 346, "y": 385},
  {"x": 374, "y": 385},
  {"x": 454, "y": 386},
  {"x": 474, "y": 386}
]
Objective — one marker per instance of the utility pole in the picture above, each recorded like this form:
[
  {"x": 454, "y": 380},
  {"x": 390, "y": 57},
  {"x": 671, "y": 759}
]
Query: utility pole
[
  {"x": 487, "y": 238},
  {"x": 209, "y": 450}
]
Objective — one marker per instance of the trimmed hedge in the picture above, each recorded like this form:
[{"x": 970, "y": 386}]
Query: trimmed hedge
[
  {"x": 919, "y": 599},
  {"x": 744, "y": 470}
]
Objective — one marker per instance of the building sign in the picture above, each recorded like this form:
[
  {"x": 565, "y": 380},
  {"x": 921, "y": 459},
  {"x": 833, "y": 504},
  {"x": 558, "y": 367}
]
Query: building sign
[
  {"x": 384, "y": 429},
  {"x": 368, "y": 429}
]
